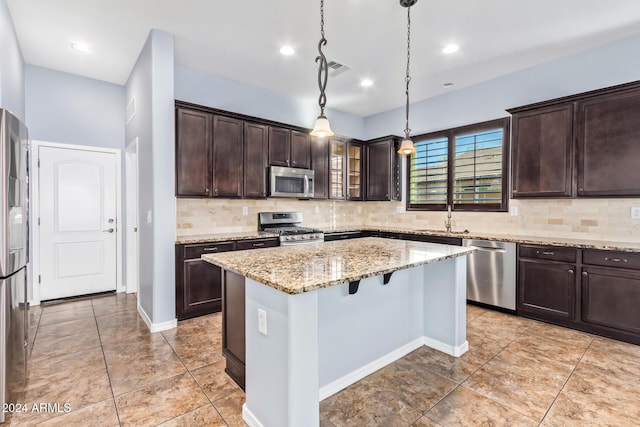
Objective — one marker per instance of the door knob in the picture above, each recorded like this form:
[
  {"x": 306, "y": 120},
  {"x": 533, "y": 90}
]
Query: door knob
[{"x": 108, "y": 230}]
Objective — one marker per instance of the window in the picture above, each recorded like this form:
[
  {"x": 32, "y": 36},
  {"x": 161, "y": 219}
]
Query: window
[{"x": 464, "y": 167}]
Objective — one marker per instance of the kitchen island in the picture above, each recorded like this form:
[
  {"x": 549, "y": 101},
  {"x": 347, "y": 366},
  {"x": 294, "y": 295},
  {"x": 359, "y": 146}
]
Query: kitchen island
[{"x": 322, "y": 316}]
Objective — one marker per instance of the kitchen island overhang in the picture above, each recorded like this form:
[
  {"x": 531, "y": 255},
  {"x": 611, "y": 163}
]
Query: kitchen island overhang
[{"x": 336, "y": 312}]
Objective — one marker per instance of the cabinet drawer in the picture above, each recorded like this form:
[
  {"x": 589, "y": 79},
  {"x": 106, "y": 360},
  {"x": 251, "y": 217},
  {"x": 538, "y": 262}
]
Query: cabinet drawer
[
  {"x": 611, "y": 259},
  {"x": 552, "y": 253},
  {"x": 257, "y": 244},
  {"x": 196, "y": 251},
  {"x": 328, "y": 237}
]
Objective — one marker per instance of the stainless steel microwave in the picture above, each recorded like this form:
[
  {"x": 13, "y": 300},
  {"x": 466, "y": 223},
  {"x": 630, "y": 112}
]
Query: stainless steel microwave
[{"x": 290, "y": 182}]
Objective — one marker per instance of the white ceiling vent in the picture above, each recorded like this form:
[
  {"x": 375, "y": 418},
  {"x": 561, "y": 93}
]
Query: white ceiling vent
[{"x": 336, "y": 68}]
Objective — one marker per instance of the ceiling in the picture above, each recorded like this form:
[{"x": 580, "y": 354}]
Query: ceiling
[{"x": 240, "y": 40}]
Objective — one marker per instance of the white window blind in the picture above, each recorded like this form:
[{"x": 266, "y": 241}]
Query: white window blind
[
  {"x": 477, "y": 167},
  {"x": 429, "y": 169}
]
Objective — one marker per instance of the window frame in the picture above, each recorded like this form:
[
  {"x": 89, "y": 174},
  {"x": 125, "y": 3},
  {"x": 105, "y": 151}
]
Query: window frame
[{"x": 451, "y": 134}]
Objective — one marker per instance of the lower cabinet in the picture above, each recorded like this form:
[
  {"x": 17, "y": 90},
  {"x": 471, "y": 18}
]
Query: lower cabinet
[
  {"x": 602, "y": 299},
  {"x": 233, "y": 324},
  {"x": 198, "y": 283},
  {"x": 342, "y": 235}
]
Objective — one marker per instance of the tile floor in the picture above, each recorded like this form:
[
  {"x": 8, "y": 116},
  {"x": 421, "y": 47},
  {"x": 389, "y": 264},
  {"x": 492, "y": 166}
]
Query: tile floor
[{"x": 97, "y": 356}]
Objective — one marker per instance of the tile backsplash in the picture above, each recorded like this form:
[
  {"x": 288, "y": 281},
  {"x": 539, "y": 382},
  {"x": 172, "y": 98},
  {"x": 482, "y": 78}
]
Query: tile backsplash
[{"x": 597, "y": 219}]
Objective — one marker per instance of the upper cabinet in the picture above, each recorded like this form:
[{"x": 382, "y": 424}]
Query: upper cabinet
[
  {"x": 256, "y": 141},
  {"x": 382, "y": 170},
  {"x": 194, "y": 130},
  {"x": 337, "y": 168},
  {"x": 289, "y": 148},
  {"x": 354, "y": 171},
  {"x": 579, "y": 146},
  {"x": 228, "y": 137},
  {"x": 320, "y": 166}
]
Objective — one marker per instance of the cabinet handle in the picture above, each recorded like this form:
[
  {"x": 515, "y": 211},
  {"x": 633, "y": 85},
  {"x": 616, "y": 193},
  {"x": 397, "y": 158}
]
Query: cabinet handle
[
  {"x": 615, "y": 259},
  {"x": 257, "y": 245},
  {"x": 545, "y": 252},
  {"x": 206, "y": 190},
  {"x": 571, "y": 271},
  {"x": 585, "y": 274},
  {"x": 210, "y": 249}
]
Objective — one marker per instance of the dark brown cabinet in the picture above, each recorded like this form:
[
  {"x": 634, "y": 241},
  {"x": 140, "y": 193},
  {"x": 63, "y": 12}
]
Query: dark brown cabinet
[
  {"x": 193, "y": 153},
  {"x": 198, "y": 283},
  {"x": 320, "y": 166},
  {"x": 382, "y": 170},
  {"x": 227, "y": 157},
  {"x": 289, "y": 148},
  {"x": 255, "y": 160},
  {"x": 233, "y": 324},
  {"x": 300, "y": 150},
  {"x": 354, "y": 171},
  {"x": 542, "y": 152},
  {"x": 608, "y": 145},
  {"x": 579, "y": 146},
  {"x": 337, "y": 168},
  {"x": 591, "y": 290}
]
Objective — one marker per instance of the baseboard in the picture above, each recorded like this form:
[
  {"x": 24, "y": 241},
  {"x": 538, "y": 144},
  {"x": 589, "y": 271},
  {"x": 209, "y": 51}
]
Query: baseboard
[
  {"x": 446, "y": 348},
  {"x": 355, "y": 376},
  {"x": 249, "y": 418},
  {"x": 156, "y": 327}
]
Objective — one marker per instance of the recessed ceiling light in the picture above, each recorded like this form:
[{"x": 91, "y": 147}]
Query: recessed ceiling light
[
  {"x": 450, "y": 48},
  {"x": 287, "y": 50},
  {"x": 448, "y": 84},
  {"x": 81, "y": 47},
  {"x": 366, "y": 82}
]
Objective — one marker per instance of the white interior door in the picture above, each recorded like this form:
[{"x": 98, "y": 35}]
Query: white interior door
[
  {"x": 131, "y": 171},
  {"x": 78, "y": 222}
]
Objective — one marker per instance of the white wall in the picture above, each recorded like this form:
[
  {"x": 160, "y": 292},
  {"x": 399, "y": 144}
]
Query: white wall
[
  {"x": 151, "y": 84},
  {"x": 11, "y": 66},
  {"x": 216, "y": 92},
  {"x": 607, "y": 65},
  {"x": 70, "y": 109}
]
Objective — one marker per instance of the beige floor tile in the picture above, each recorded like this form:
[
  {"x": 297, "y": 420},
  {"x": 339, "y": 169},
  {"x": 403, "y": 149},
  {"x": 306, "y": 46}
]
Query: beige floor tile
[
  {"x": 123, "y": 306},
  {"x": 132, "y": 365},
  {"x": 45, "y": 348},
  {"x": 101, "y": 414},
  {"x": 203, "y": 416},
  {"x": 230, "y": 407},
  {"x": 65, "y": 306},
  {"x": 569, "y": 411},
  {"x": 465, "y": 408},
  {"x": 159, "y": 402},
  {"x": 456, "y": 369},
  {"x": 65, "y": 329},
  {"x": 565, "y": 351},
  {"x": 62, "y": 316},
  {"x": 214, "y": 381},
  {"x": 425, "y": 422},
  {"x": 197, "y": 349}
]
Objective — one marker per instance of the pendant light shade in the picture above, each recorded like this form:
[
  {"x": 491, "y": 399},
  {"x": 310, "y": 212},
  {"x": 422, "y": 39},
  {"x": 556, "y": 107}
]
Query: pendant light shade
[
  {"x": 322, "y": 127},
  {"x": 407, "y": 148}
]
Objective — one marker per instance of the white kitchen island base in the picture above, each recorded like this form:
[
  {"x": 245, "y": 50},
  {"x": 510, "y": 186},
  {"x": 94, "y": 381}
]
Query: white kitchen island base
[{"x": 321, "y": 341}]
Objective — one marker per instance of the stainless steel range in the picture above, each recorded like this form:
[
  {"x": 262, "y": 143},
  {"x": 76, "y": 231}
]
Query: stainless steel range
[{"x": 287, "y": 225}]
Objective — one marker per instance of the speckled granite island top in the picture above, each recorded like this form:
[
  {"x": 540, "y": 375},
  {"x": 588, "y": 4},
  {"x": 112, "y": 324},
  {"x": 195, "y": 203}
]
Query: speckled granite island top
[{"x": 302, "y": 268}]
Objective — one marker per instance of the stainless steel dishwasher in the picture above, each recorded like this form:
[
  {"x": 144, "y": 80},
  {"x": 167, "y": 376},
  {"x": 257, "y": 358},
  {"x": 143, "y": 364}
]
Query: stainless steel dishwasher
[{"x": 491, "y": 273}]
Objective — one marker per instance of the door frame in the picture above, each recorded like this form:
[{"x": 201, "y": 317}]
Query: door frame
[
  {"x": 34, "y": 201},
  {"x": 132, "y": 241}
]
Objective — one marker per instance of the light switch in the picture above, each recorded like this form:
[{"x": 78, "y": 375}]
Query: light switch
[
  {"x": 262, "y": 321},
  {"x": 635, "y": 212},
  {"x": 400, "y": 209},
  {"x": 149, "y": 217}
]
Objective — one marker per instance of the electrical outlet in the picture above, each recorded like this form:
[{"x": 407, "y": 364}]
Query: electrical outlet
[
  {"x": 316, "y": 209},
  {"x": 245, "y": 210},
  {"x": 149, "y": 217},
  {"x": 513, "y": 210},
  {"x": 400, "y": 209},
  {"x": 262, "y": 321},
  {"x": 635, "y": 212}
]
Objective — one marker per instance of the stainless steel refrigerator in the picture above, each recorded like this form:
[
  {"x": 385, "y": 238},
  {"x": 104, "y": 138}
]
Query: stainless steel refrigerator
[{"x": 14, "y": 308}]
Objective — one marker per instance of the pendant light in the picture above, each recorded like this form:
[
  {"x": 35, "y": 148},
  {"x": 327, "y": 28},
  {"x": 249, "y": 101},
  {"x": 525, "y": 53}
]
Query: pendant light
[
  {"x": 407, "y": 148},
  {"x": 322, "y": 127}
]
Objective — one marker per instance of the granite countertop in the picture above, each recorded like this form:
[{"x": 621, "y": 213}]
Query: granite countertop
[
  {"x": 296, "y": 269},
  {"x": 220, "y": 237},
  {"x": 516, "y": 238}
]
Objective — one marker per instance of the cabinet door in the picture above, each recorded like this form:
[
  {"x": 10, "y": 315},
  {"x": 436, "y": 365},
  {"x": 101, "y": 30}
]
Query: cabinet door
[
  {"x": 255, "y": 160},
  {"x": 354, "y": 171},
  {"x": 300, "y": 150},
  {"x": 320, "y": 166},
  {"x": 279, "y": 144},
  {"x": 379, "y": 171},
  {"x": 611, "y": 297},
  {"x": 233, "y": 325},
  {"x": 193, "y": 153},
  {"x": 337, "y": 168},
  {"x": 227, "y": 157},
  {"x": 609, "y": 145},
  {"x": 546, "y": 289},
  {"x": 542, "y": 152}
]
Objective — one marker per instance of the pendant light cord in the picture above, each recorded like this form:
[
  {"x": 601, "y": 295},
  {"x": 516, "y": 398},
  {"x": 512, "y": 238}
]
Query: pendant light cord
[
  {"x": 323, "y": 69},
  {"x": 407, "y": 79}
]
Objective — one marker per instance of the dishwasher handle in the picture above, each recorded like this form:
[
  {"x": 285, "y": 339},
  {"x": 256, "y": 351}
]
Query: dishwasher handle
[{"x": 489, "y": 249}]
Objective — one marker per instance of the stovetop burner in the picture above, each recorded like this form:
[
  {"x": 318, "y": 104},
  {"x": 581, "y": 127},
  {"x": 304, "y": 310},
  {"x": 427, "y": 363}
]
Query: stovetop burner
[
  {"x": 287, "y": 225},
  {"x": 292, "y": 230}
]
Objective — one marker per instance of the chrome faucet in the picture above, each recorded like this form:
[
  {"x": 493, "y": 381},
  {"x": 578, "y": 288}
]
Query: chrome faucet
[{"x": 447, "y": 223}]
